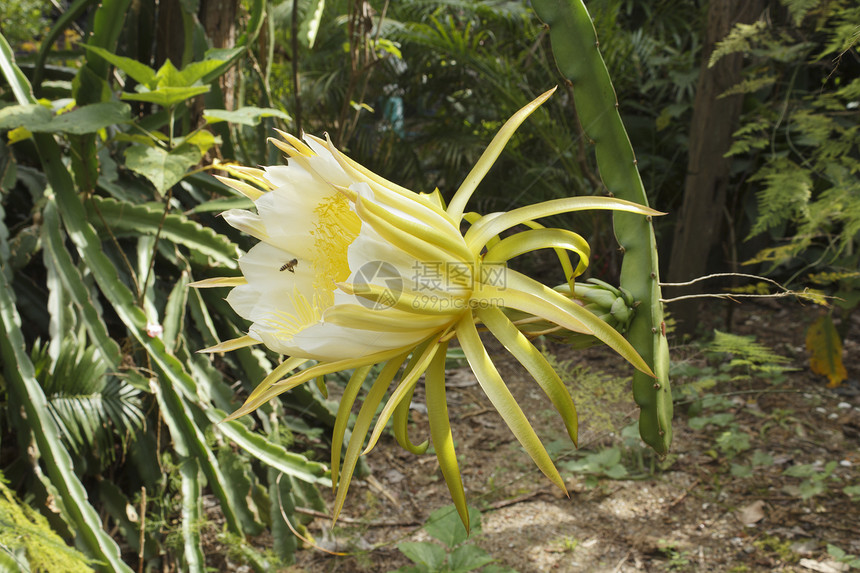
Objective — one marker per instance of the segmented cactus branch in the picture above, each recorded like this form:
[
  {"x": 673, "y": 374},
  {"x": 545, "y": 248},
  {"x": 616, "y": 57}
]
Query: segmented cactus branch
[{"x": 577, "y": 54}]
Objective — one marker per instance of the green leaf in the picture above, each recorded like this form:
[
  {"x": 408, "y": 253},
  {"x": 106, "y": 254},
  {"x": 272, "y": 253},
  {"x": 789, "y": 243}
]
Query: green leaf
[
  {"x": 219, "y": 205},
  {"x": 468, "y": 558},
  {"x": 125, "y": 218},
  {"x": 193, "y": 557},
  {"x": 424, "y": 553},
  {"x": 189, "y": 440},
  {"x": 90, "y": 118},
  {"x": 16, "y": 79},
  {"x": 169, "y": 76},
  {"x": 163, "y": 168},
  {"x": 19, "y": 371},
  {"x": 141, "y": 73},
  {"x": 741, "y": 471},
  {"x": 445, "y": 525},
  {"x": 202, "y": 140},
  {"x": 249, "y": 115},
  {"x": 802, "y": 471},
  {"x": 31, "y": 116},
  {"x": 311, "y": 26},
  {"x": 166, "y": 96},
  {"x": 26, "y": 393}
]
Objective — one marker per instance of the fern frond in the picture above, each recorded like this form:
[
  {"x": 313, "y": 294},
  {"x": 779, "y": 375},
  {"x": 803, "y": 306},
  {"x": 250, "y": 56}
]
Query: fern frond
[
  {"x": 788, "y": 189},
  {"x": 745, "y": 351},
  {"x": 750, "y": 85},
  {"x": 798, "y": 9},
  {"x": 738, "y": 40}
]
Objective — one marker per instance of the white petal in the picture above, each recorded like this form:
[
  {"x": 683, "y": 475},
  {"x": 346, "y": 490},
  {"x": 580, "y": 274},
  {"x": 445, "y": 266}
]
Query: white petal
[
  {"x": 326, "y": 165},
  {"x": 247, "y": 222},
  {"x": 292, "y": 175},
  {"x": 244, "y": 299},
  {"x": 289, "y": 218},
  {"x": 326, "y": 341},
  {"x": 262, "y": 267}
]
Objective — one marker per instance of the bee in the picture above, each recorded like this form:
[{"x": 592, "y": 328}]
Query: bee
[{"x": 289, "y": 266}]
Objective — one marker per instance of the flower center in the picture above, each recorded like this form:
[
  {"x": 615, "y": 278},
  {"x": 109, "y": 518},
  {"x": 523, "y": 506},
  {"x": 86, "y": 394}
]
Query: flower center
[{"x": 337, "y": 226}]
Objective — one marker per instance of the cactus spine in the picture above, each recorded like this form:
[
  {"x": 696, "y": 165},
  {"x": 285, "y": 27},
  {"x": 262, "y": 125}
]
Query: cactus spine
[{"x": 577, "y": 54}]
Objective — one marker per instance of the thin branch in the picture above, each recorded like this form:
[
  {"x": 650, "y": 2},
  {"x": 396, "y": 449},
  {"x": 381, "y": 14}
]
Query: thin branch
[
  {"x": 721, "y": 275},
  {"x": 733, "y": 296}
]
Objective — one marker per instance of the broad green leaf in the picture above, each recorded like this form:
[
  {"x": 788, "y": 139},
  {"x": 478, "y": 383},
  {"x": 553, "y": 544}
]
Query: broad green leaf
[
  {"x": 189, "y": 75},
  {"x": 174, "y": 313},
  {"x": 166, "y": 96},
  {"x": 32, "y": 116},
  {"x": 444, "y": 525},
  {"x": 424, "y": 553},
  {"x": 468, "y": 558},
  {"x": 90, "y": 118},
  {"x": 164, "y": 169},
  {"x": 249, "y": 115},
  {"x": 202, "y": 140},
  {"x": 46, "y": 43},
  {"x": 271, "y": 454},
  {"x": 141, "y": 73},
  {"x": 825, "y": 351}
]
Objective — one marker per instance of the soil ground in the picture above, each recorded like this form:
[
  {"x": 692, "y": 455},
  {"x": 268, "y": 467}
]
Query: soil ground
[{"x": 725, "y": 499}]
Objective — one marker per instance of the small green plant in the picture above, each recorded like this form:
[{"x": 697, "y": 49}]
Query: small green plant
[
  {"x": 594, "y": 465},
  {"x": 814, "y": 479},
  {"x": 780, "y": 548},
  {"x": 454, "y": 555},
  {"x": 677, "y": 560},
  {"x": 749, "y": 358},
  {"x": 840, "y": 555},
  {"x": 758, "y": 459},
  {"x": 852, "y": 491}
]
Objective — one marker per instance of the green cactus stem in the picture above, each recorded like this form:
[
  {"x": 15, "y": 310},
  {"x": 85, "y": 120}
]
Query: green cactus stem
[{"x": 577, "y": 54}]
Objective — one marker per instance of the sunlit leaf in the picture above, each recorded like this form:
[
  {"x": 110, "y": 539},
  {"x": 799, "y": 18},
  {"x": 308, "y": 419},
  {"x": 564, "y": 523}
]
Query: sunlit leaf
[
  {"x": 163, "y": 168},
  {"x": 248, "y": 115}
]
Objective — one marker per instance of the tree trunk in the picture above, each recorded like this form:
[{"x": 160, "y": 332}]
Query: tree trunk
[
  {"x": 219, "y": 20},
  {"x": 714, "y": 120}
]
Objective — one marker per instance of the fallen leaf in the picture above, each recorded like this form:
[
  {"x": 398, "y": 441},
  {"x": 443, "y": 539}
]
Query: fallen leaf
[
  {"x": 825, "y": 350},
  {"x": 751, "y": 514},
  {"x": 828, "y": 566}
]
